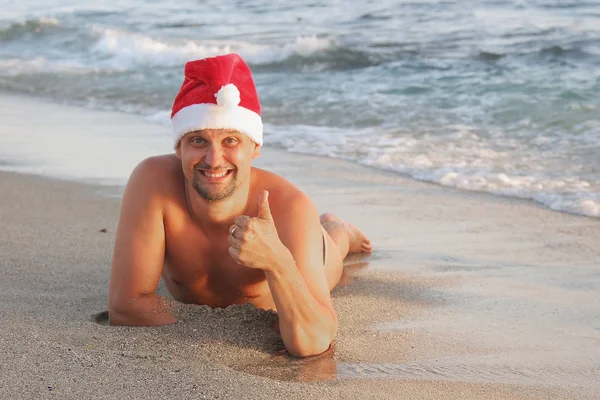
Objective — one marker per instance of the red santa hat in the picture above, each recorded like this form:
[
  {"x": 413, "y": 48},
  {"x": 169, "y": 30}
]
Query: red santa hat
[{"x": 217, "y": 93}]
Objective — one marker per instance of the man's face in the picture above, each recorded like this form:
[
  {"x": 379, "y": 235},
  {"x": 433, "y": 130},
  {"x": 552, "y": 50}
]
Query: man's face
[{"x": 216, "y": 161}]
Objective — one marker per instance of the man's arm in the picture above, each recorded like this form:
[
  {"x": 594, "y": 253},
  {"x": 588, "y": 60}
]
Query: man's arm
[
  {"x": 139, "y": 253},
  {"x": 291, "y": 256}
]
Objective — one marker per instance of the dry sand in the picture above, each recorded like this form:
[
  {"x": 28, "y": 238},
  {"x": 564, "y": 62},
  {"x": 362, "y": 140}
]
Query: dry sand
[{"x": 466, "y": 296}]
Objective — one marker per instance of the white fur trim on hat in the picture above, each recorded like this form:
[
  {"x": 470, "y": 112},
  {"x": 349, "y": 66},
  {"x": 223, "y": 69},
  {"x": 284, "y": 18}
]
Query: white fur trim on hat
[
  {"x": 226, "y": 114},
  {"x": 211, "y": 116}
]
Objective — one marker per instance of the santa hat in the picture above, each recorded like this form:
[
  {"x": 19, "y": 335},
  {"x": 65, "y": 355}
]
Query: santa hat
[{"x": 217, "y": 93}]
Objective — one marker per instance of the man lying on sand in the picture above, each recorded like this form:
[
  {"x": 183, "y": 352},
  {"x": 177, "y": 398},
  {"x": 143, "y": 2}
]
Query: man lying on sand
[{"x": 220, "y": 231}]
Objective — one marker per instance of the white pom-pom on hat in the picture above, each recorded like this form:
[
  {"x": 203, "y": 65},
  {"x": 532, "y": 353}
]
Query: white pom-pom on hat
[{"x": 228, "y": 96}]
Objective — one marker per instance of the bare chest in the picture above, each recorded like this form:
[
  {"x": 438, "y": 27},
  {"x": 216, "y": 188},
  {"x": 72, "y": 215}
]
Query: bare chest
[{"x": 199, "y": 269}]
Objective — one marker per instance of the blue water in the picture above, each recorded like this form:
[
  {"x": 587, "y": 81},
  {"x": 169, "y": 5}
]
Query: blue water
[{"x": 494, "y": 96}]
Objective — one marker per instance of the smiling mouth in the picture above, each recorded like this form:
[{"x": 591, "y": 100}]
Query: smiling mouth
[{"x": 216, "y": 174}]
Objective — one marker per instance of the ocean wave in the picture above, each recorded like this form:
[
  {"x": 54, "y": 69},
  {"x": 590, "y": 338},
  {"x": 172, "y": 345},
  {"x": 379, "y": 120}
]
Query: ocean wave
[
  {"x": 39, "y": 26},
  {"x": 125, "y": 50},
  {"x": 489, "y": 56},
  {"x": 566, "y": 194},
  {"x": 374, "y": 17},
  {"x": 19, "y": 66},
  {"x": 561, "y": 194},
  {"x": 178, "y": 25},
  {"x": 460, "y": 160},
  {"x": 572, "y": 52},
  {"x": 540, "y": 52},
  {"x": 100, "y": 47}
]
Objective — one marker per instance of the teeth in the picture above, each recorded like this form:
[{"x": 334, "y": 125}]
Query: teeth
[{"x": 215, "y": 175}]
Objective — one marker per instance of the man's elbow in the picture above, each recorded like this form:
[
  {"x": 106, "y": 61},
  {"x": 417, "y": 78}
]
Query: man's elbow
[
  {"x": 124, "y": 313},
  {"x": 119, "y": 316},
  {"x": 144, "y": 310},
  {"x": 307, "y": 344},
  {"x": 308, "y": 350}
]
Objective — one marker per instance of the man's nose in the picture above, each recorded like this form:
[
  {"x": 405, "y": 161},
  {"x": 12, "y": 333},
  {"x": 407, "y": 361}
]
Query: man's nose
[{"x": 214, "y": 156}]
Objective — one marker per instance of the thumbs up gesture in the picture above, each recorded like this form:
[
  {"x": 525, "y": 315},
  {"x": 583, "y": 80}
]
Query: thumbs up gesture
[
  {"x": 264, "y": 210},
  {"x": 253, "y": 241}
]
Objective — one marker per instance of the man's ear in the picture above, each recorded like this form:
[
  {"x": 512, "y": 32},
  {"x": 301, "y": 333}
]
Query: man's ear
[
  {"x": 178, "y": 150},
  {"x": 256, "y": 151}
]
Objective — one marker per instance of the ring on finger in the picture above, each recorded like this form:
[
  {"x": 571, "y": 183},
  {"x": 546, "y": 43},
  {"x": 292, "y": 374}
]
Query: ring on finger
[{"x": 233, "y": 231}]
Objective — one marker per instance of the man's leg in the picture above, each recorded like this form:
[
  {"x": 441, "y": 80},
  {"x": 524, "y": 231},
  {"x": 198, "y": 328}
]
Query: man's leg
[{"x": 342, "y": 238}]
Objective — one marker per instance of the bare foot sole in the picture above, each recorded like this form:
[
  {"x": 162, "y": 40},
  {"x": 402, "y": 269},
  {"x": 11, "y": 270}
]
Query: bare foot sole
[{"x": 357, "y": 240}]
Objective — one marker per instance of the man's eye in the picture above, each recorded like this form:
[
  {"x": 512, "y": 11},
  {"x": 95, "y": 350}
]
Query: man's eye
[
  {"x": 231, "y": 140},
  {"x": 196, "y": 140}
]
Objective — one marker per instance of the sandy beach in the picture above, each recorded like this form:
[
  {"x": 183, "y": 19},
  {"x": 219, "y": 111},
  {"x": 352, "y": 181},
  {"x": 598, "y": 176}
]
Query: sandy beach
[{"x": 466, "y": 295}]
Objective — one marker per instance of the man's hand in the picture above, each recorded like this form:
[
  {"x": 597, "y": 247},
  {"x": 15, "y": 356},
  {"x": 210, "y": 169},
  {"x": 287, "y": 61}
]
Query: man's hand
[
  {"x": 293, "y": 266},
  {"x": 253, "y": 241}
]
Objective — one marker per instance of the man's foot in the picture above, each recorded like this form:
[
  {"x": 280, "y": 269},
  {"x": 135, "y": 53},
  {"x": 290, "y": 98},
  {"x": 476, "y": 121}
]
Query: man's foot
[{"x": 357, "y": 240}]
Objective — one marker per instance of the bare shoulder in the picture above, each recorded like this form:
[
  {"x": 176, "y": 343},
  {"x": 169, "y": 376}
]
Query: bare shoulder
[
  {"x": 157, "y": 168},
  {"x": 157, "y": 175},
  {"x": 280, "y": 189},
  {"x": 288, "y": 203}
]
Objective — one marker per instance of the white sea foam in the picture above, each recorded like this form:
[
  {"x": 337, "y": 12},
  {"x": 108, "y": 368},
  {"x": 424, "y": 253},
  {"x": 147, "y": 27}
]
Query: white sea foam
[
  {"x": 461, "y": 159},
  {"x": 49, "y": 21},
  {"x": 18, "y": 66},
  {"x": 126, "y": 50},
  {"x": 309, "y": 45},
  {"x": 118, "y": 50}
]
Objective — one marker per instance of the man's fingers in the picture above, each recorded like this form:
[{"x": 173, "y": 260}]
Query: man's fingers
[
  {"x": 235, "y": 254},
  {"x": 264, "y": 211},
  {"x": 234, "y": 242},
  {"x": 242, "y": 221}
]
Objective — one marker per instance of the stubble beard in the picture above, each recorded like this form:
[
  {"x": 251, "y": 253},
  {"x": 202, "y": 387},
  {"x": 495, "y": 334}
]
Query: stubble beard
[{"x": 211, "y": 196}]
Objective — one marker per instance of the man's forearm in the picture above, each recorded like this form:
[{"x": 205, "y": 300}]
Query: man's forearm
[
  {"x": 142, "y": 310},
  {"x": 307, "y": 326}
]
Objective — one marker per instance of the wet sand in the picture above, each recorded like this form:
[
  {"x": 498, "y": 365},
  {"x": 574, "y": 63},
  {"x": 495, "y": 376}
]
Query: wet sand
[{"x": 466, "y": 296}]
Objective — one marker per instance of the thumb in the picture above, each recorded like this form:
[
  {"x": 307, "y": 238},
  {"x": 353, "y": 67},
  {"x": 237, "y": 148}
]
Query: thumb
[{"x": 264, "y": 211}]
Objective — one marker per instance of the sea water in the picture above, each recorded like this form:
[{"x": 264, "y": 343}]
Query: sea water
[{"x": 494, "y": 96}]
